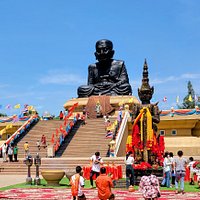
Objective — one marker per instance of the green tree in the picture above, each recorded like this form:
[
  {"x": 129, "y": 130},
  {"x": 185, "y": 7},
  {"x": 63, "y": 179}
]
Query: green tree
[
  {"x": 3, "y": 115},
  {"x": 189, "y": 99}
]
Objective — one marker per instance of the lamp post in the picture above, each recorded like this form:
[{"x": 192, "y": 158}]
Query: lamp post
[
  {"x": 37, "y": 162},
  {"x": 29, "y": 161}
]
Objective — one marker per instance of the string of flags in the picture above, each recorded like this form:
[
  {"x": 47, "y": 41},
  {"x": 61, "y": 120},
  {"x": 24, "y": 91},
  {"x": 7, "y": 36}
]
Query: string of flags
[
  {"x": 165, "y": 99},
  {"x": 17, "y": 106},
  {"x": 190, "y": 98}
]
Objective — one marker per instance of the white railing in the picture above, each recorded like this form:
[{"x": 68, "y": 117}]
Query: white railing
[{"x": 121, "y": 132}]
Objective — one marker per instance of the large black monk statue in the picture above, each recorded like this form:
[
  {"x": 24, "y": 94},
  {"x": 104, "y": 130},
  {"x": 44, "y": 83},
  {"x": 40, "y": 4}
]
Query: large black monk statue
[{"x": 107, "y": 76}]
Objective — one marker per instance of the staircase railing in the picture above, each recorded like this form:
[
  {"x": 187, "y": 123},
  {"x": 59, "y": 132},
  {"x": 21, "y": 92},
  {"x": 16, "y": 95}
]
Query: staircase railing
[
  {"x": 21, "y": 130},
  {"x": 121, "y": 132}
]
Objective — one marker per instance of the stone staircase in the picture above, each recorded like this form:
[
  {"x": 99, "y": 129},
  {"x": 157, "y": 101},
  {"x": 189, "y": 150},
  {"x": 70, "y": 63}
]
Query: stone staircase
[
  {"x": 83, "y": 142},
  {"x": 88, "y": 139},
  {"x": 42, "y": 127},
  {"x": 66, "y": 142}
]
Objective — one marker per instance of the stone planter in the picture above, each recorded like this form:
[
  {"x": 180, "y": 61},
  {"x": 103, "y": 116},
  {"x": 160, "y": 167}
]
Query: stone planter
[{"x": 53, "y": 177}]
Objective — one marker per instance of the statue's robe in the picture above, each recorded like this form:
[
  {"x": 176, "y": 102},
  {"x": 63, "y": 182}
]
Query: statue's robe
[{"x": 110, "y": 80}]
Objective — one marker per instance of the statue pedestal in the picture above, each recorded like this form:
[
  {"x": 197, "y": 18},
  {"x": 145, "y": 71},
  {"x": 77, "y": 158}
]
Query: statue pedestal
[{"x": 114, "y": 102}]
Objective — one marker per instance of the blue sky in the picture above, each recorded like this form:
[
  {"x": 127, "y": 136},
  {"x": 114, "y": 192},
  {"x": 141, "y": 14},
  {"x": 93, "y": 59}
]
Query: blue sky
[{"x": 46, "y": 47}]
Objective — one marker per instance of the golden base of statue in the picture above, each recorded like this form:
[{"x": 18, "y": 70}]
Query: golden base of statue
[{"x": 115, "y": 102}]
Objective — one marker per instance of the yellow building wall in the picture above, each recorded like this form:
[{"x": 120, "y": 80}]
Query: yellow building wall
[
  {"x": 179, "y": 132},
  {"x": 196, "y": 130},
  {"x": 183, "y": 127},
  {"x": 9, "y": 131}
]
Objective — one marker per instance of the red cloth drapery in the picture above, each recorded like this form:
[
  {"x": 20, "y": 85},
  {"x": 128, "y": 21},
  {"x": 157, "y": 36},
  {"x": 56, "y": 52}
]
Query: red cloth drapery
[
  {"x": 115, "y": 171},
  {"x": 157, "y": 146}
]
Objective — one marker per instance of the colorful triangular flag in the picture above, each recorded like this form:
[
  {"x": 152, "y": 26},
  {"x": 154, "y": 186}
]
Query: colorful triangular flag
[
  {"x": 17, "y": 106},
  {"x": 8, "y": 106},
  {"x": 195, "y": 98},
  {"x": 165, "y": 99},
  {"x": 190, "y": 98},
  {"x": 177, "y": 99}
]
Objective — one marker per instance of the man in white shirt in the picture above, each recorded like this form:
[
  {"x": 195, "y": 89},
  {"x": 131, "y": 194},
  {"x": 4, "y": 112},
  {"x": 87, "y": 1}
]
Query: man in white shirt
[
  {"x": 129, "y": 161},
  {"x": 4, "y": 149},
  {"x": 167, "y": 165},
  {"x": 96, "y": 161},
  {"x": 192, "y": 171}
]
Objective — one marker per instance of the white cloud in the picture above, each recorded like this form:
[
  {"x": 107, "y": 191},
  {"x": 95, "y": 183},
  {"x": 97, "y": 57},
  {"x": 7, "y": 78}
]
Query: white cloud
[
  {"x": 190, "y": 76},
  {"x": 61, "y": 78},
  {"x": 174, "y": 78},
  {"x": 17, "y": 95}
]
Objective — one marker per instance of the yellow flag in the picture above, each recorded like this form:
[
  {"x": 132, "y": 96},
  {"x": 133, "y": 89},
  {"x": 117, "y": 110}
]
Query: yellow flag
[
  {"x": 2, "y": 131},
  {"x": 9, "y": 126},
  {"x": 115, "y": 122},
  {"x": 17, "y": 106},
  {"x": 190, "y": 98},
  {"x": 30, "y": 107}
]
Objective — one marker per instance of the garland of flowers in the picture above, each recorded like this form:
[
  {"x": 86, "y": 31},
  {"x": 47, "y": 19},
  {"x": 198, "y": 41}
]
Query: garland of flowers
[
  {"x": 149, "y": 130},
  {"x": 156, "y": 145}
]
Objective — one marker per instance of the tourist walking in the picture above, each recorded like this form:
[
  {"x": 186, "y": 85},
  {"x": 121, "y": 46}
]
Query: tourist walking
[
  {"x": 77, "y": 183},
  {"x": 104, "y": 184},
  {"x": 190, "y": 166},
  {"x": 15, "y": 152},
  {"x": 129, "y": 161},
  {"x": 61, "y": 115},
  {"x": 26, "y": 149},
  {"x": 38, "y": 144},
  {"x": 96, "y": 162},
  {"x": 119, "y": 118},
  {"x": 173, "y": 175},
  {"x": 180, "y": 164},
  {"x": 44, "y": 141},
  {"x": 106, "y": 118},
  {"x": 83, "y": 119},
  {"x": 167, "y": 165},
  {"x": 4, "y": 152},
  {"x": 10, "y": 153}
]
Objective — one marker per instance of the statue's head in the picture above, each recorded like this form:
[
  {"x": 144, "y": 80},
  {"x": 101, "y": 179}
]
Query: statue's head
[
  {"x": 145, "y": 94},
  {"x": 104, "y": 50}
]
